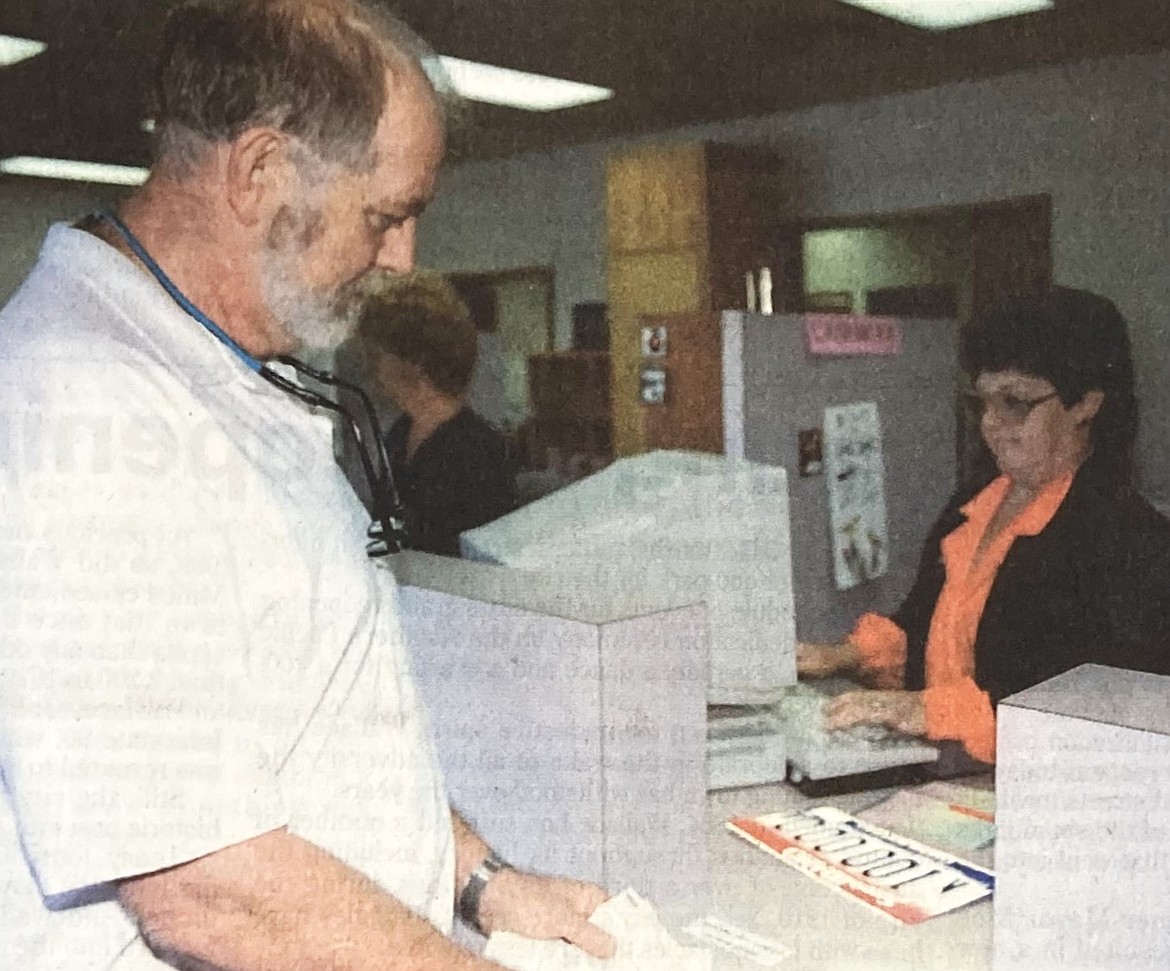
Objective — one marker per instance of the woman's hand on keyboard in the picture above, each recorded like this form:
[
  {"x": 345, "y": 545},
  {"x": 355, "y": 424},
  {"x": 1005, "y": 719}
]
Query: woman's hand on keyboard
[{"x": 902, "y": 711}]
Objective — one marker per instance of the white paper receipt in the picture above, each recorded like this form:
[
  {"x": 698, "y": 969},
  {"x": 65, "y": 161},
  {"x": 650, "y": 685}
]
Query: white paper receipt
[
  {"x": 643, "y": 944},
  {"x": 764, "y": 951}
]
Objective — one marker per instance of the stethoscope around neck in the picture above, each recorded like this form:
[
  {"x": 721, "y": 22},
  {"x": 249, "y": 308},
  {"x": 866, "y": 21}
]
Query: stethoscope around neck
[{"x": 387, "y": 533}]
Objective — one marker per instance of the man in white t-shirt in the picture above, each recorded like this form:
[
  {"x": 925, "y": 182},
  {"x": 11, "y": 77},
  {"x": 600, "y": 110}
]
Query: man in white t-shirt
[{"x": 211, "y": 751}]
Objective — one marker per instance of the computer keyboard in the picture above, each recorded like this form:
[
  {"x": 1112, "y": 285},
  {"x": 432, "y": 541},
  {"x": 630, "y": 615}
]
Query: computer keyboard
[{"x": 816, "y": 753}]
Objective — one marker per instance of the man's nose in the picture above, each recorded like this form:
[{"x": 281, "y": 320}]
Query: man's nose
[{"x": 396, "y": 251}]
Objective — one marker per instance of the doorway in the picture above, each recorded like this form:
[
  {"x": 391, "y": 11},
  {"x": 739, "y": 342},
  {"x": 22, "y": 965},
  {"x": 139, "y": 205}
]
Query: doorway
[
  {"x": 514, "y": 315},
  {"x": 951, "y": 263}
]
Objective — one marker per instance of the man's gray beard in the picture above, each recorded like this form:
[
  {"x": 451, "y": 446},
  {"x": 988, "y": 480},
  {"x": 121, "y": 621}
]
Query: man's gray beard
[{"x": 317, "y": 321}]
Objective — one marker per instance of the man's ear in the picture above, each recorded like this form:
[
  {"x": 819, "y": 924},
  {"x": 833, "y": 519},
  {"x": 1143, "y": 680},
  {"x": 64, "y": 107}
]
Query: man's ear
[
  {"x": 1086, "y": 409},
  {"x": 258, "y": 170}
]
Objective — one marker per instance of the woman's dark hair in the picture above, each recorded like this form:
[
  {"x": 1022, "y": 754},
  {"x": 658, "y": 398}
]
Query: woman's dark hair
[
  {"x": 1079, "y": 342},
  {"x": 421, "y": 320}
]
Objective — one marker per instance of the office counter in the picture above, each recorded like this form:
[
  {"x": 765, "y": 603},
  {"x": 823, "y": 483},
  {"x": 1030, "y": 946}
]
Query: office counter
[
  {"x": 575, "y": 748},
  {"x": 826, "y": 931},
  {"x": 571, "y": 724}
]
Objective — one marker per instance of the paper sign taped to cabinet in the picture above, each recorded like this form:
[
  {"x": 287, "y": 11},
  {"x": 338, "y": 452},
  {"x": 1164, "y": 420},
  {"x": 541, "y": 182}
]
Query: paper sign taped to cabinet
[{"x": 855, "y": 477}]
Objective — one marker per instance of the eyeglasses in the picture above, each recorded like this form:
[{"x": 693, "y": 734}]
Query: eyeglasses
[{"x": 1008, "y": 407}]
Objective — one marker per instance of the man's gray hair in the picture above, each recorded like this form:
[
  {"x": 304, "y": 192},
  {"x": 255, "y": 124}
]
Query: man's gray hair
[{"x": 315, "y": 69}]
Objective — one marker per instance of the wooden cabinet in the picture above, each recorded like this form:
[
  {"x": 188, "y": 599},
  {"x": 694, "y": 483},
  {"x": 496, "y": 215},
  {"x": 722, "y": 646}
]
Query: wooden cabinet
[
  {"x": 571, "y": 406},
  {"x": 684, "y": 223},
  {"x": 691, "y": 417}
]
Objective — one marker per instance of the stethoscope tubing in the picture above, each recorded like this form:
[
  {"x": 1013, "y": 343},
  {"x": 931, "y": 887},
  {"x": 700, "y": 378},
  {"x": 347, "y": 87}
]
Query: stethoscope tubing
[{"x": 387, "y": 532}]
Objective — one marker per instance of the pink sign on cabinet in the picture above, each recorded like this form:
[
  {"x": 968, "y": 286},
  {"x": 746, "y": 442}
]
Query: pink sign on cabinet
[{"x": 840, "y": 335}]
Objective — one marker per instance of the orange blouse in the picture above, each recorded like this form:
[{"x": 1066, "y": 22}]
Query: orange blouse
[{"x": 956, "y": 707}]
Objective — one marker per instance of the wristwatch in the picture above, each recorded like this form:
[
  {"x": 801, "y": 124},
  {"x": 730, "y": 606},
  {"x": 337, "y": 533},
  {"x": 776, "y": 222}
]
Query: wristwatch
[{"x": 470, "y": 898}]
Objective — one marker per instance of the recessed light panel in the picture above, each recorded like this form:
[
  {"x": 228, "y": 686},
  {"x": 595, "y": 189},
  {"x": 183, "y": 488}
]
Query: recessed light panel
[
  {"x": 517, "y": 89},
  {"x": 948, "y": 14},
  {"x": 74, "y": 171},
  {"x": 16, "y": 49}
]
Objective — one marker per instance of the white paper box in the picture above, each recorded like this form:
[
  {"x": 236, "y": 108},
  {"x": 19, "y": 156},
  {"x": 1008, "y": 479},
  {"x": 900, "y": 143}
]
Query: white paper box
[
  {"x": 570, "y": 723},
  {"x": 1083, "y": 815}
]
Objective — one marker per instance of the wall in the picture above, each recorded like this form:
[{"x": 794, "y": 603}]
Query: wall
[
  {"x": 539, "y": 211},
  {"x": 1095, "y": 135},
  {"x": 27, "y": 208}
]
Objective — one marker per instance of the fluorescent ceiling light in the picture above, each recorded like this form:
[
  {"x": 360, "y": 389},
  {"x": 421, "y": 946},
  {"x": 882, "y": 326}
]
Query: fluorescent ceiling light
[
  {"x": 15, "y": 49},
  {"x": 57, "y": 168},
  {"x": 503, "y": 86},
  {"x": 517, "y": 89},
  {"x": 947, "y": 14}
]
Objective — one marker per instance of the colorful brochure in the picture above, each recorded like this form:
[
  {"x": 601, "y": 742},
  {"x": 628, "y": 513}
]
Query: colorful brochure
[{"x": 897, "y": 877}]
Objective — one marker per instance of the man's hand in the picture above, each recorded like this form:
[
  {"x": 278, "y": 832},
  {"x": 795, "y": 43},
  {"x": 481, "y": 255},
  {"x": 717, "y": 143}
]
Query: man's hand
[
  {"x": 545, "y": 908},
  {"x": 902, "y": 711},
  {"x": 824, "y": 660}
]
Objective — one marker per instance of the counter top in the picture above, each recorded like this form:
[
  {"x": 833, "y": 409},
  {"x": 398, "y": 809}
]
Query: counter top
[{"x": 826, "y": 931}]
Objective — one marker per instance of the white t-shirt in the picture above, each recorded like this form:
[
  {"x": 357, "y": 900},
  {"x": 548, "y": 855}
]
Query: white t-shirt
[{"x": 194, "y": 648}]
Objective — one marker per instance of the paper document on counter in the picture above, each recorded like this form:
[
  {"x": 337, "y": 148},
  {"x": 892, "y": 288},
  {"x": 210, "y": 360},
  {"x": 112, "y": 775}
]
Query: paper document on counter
[
  {"x": 897, "y": 877},
  {"x": 643, "y": 944},
  {"x": 738, "y": 941},
  {"x": 945, "y": 816}
]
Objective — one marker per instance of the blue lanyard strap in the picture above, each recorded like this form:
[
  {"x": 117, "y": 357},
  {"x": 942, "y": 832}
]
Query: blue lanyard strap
[
  {"x": 387, "y": 534},
  {"x": 176, "y": 294}
]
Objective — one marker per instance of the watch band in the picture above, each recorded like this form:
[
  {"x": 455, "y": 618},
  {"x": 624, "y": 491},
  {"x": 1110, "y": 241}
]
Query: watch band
[{"x": 472, "y": 894}]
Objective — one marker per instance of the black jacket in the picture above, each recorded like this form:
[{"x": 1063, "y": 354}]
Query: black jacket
[
  {"x": 1092, "y": 587},
  {"x": 460, "y": 477}
]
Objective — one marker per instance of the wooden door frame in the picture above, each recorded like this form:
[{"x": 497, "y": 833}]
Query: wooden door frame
[{"x": 881, "y": 220}]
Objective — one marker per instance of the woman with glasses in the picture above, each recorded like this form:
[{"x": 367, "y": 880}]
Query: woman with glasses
[{"x": 1053, "y": 562}]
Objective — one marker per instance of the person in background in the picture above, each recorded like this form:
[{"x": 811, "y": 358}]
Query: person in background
[
  {"x": 1054, "y": 562},
  {"x": 213, "y": 753},
  {"x": 453, "y": 470}
]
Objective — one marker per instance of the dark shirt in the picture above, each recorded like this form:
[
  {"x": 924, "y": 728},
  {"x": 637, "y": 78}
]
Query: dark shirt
[
  {"x": 460, "y": 477},
  {"x": 1092, "y": 587}
]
